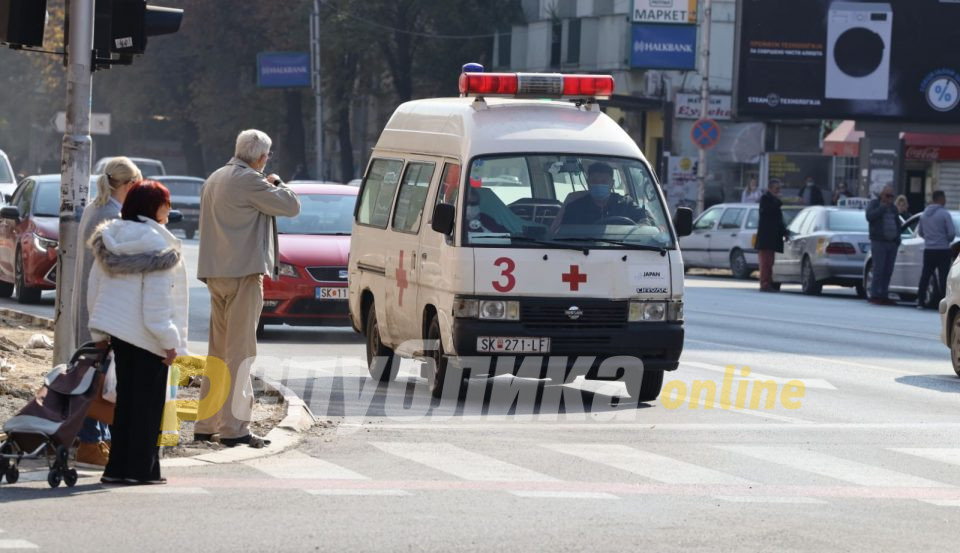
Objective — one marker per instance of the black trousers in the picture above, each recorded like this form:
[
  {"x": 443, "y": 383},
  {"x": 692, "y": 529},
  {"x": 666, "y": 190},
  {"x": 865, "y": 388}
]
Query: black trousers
[
  {"x": 934, "y": 260},
  {"x": 141, "y": 379}
]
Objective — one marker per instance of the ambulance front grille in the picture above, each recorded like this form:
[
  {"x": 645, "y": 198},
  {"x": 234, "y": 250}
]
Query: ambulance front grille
[{"x": 595, "y": 315}]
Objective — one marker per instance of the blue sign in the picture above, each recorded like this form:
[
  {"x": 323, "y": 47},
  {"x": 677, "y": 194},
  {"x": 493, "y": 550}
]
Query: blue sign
[
  {"x": 664, "y": 46},
  {"x": 283, "y": 69},
  {"x": 705, "y": 133}
]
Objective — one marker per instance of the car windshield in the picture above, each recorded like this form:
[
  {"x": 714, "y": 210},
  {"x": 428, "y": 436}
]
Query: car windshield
[
  {"x": 182, "y": 187},
  {"x": 150, "y": 168},
  {"x": 789, "y": 215},
  {"x": 543, "y": 200},
  {"x": 5, "y": 174},
  {"x": 853, "y": 220},
  {"x": 320, "y": 214},
  {"x": 48, "y": 199},
  {"x": 956, "y": 223}
]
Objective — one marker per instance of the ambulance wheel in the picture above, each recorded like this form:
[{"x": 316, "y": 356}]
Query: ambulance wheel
[
  {"x": 13, "y": 474},
  {"x": 439, "y": 360},
  {"x": 54, "y": 478},
  {"x": 380, "y": 358},
  {"x": 644, "y": 386},
  {"x": 70, "y": 477}
]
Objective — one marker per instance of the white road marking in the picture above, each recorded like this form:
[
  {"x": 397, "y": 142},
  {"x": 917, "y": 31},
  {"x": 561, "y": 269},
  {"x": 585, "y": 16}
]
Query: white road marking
[
  {"x": 359, "y": 492},
  {"x": 156, "y": 490},
  {"x": 815, "y": 383},
  {"x": 873, "y": 330},
  {"x": 485, "y": 423},
  {"x": 461, "y": 463},
  {"x": 646, "y": 464},
  {"x": 299, "y": 466},
  {"x": 17, "y": 544},
  {"x": 762, "y": 499},
  {"x": 562, "y": 495},
  {"x": 943, "y": 502},
  {"x": 832, "y": 467},
  {"x": 942, "y": 454}
]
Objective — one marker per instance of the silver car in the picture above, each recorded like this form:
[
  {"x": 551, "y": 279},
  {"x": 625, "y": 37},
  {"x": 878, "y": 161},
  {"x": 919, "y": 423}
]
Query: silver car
[
  {"x": 905, "y": 280},
  {"x": 827, "y": 245},
  {"x": 725, "y": 236},
  {"x": 8, "y": 182}
]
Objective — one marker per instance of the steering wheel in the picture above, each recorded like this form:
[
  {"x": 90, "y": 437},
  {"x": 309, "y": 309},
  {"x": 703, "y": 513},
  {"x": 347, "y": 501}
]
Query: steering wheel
[{"x": 617, "y": 220}]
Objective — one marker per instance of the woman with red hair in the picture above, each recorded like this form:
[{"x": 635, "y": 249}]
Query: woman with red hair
[{"x": 138, "y": 301}]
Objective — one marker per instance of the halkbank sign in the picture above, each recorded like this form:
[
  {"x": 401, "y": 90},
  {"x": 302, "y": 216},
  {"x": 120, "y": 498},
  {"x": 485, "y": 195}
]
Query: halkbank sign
[{"x": 665, "y": 11}]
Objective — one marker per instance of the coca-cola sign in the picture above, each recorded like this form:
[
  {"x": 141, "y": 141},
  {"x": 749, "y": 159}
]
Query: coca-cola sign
[{"x": 923, "y": 153}]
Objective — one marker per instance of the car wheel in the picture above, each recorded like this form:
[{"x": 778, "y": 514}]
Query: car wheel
[
  {"x": 861, "y": 291},
  {"x": 260, "y": 330},
  {"x": 808, "y": 280},
  {"x": 645, "y": 385},
  {"x": 380, "y": 358},
  {"x": 931, "y": 292},
  {"x": 738, "y": 265},
  {"x": 440, "y": 373},
  {"x": 22, "y": 292},
  {"x": 6, "y": 289},
  {"x": 189, "y": 232},
  {"x": 867, "y": 279},
  {"x": 955, "y": 343}
]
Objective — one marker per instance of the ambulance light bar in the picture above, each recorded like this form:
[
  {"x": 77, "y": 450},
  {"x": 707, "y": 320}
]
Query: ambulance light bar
[{"x": 536, "y": 85}]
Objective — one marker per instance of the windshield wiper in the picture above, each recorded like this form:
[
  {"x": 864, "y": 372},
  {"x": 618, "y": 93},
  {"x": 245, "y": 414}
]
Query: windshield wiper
[
  {"x": 528, "y": 240},
  {"x": 659, "y": 249}
]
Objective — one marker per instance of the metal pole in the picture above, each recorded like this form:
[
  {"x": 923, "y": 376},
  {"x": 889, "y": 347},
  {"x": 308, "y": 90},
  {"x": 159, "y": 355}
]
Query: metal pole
[
  {"x": 74, "y": 168},
  {"x": 704, "y": 96},
  {"x": 317, "y": 84}
]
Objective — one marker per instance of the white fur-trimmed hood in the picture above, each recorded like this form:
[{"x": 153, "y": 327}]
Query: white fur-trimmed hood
[{"x": 129, "y": 247}]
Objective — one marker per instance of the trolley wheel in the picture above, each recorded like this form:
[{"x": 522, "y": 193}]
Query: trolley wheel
[
  {"x": 70, "y": 477},
  {"x": 54, "y": 478},
  {"x": 13, "y": 474},
  {"x": 4, "y": 465}
]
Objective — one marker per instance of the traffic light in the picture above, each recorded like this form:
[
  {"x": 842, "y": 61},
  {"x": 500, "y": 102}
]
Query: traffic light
[
  {"x": 22, "y": 22},
  {"x": 122, "y": 26}
]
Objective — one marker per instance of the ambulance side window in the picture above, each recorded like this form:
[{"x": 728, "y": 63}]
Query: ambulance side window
[
  {"x": 379, "y": 189},
  {"x": 449, "y": 189},
  {"x": 412, "y": 197}
]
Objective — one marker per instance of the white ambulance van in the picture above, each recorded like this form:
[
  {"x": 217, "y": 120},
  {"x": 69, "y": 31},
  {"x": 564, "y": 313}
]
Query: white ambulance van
[{"x": 516, "y": 221}]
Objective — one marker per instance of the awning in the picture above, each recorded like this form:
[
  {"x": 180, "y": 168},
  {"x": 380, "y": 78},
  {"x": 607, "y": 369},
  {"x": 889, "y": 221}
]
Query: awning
[{"x": 843, "y": 141}]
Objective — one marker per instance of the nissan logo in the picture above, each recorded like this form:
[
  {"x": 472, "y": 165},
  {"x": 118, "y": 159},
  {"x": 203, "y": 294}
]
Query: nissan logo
[{"x": 573, "y": 312}]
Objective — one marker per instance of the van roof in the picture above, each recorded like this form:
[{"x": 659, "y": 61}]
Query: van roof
[{"x": 465, "y": 127}]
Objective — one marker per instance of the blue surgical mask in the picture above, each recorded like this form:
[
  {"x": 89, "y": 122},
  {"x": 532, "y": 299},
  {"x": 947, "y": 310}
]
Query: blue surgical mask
[{"x": 600, "y": 191}]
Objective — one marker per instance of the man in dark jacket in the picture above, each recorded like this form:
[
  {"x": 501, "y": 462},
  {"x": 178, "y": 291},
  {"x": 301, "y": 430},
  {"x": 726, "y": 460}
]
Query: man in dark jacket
[
  {"x": 884, "y": 240},
  {"x": 938, "y": 232},
  {"x": 811, "y": 193},
  {"x": 771, "y": 231}
]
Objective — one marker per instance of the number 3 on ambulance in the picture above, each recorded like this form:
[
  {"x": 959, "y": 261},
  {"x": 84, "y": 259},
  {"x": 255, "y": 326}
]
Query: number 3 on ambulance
[{"x": 514, "y": 231}]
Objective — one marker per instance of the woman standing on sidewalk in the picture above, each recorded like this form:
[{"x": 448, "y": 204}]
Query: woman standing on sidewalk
[
  {"x": 138, "y": 301},
  {"x": 118, "y": 177}
]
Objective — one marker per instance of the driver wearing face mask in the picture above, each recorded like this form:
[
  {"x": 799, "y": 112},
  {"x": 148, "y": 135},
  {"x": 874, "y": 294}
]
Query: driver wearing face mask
[{"x": 601, "y": 202}]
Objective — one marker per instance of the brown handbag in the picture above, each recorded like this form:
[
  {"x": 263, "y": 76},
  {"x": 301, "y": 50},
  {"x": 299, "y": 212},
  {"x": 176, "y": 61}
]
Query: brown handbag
[{"x": 101, "y": 409}]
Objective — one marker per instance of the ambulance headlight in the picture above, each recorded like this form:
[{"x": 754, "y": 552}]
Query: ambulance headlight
[
  {"x": 465, "y": 308},
  {"x": 499, "y": 310},
  {"x": 647, "y": 311}
]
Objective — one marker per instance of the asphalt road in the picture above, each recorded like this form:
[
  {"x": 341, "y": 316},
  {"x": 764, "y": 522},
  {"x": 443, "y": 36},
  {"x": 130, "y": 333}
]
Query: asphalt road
[{"x": 869, "y": 460}]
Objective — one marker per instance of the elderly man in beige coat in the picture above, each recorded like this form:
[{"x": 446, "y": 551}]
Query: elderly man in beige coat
[{"x": 238, "y": 246}]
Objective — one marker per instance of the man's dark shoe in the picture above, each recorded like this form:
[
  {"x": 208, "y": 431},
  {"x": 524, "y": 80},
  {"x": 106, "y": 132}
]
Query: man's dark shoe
[
  {"x": 255, "y": 442},
  {"x": 206, "y": 437}
]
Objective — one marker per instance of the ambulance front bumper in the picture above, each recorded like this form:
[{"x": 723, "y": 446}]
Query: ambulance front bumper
[{"x": 658, "y": 344}]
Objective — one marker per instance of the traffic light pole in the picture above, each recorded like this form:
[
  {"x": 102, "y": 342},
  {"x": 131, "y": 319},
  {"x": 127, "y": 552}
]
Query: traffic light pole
[
  {"x": 704, "y": 97},
  {"x": 75, "y": 169},
  {"x": 317, "y": 84}
]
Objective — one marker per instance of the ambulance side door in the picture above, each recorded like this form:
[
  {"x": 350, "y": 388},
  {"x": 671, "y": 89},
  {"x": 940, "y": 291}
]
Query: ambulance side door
[
  {"x": 403, "y": 252},
  {"x": 438, "y": 258}
]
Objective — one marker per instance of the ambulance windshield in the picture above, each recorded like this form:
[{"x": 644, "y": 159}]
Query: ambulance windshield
[{"x": 540, "y": 199}]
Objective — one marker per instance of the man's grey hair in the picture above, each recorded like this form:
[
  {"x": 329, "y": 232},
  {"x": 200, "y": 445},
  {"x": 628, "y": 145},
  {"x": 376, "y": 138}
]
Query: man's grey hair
[{"x": 252, "y": 145}]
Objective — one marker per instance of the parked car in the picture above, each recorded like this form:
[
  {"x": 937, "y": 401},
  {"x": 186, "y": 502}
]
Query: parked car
[
  {"x": 725, "y": 236},
  {"x": 146, "y": 165},
  {"x": 949, "y": 319},
  {"x": 29, "y": 233},
  {"x": 8, "y": 179},
  {"x": 312, "y": 287},
  {"x": 184, "y": 197},
  {"x": 827, "y": 245},
  {"x": 905, "y": 280}
]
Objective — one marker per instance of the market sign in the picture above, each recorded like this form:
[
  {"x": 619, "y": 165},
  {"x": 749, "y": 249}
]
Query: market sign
[
  {"x": 665, "y": 11},
  {"x": 687, "y": 106},
  {"x": 664, "y": 46}
]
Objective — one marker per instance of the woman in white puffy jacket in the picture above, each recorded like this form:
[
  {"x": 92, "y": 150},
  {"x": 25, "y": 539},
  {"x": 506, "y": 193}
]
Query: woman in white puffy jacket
[{"x": 137, "y": 298}]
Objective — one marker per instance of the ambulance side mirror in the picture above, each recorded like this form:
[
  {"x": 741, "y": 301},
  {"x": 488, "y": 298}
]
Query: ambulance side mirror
[
  {"x": 443, "y": 218},
  {"x": 683, "y": 221}
]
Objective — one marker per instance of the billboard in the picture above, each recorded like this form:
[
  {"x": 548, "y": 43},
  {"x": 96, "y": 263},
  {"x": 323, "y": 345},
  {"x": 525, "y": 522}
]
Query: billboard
[
  {"x": 283, "y": 69},
  {"x": 687, "y": 106},
  {"x": 664, "y": 46},
  {"x": 830, "y": 59},
  {"x": 665, "y": 11}
]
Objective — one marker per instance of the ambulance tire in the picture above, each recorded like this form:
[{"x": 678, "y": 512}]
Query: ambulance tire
[
  {"x": 644, "y": 386},
  {"x": 439, "y": 363},
  {"x": 380, "y": 358}
]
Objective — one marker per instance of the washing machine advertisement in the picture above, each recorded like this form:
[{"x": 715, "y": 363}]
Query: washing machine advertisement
[{"x": 897, "y": 60}]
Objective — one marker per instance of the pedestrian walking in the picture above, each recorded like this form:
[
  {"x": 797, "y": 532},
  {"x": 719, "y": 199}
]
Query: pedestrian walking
[
  {"x": 238, "y": 246},
  {"x": 938, "y": 232},
  {"x": 138, "y": 300},
  {"x": 903, "y": 207},
  {"x": 884, "y": 240},
  {"x": 751, "y": 194},
  {"x": 119, "y": 175},
  {"x": 771, "y": 231},
  {"x": 811, "y": 193}
]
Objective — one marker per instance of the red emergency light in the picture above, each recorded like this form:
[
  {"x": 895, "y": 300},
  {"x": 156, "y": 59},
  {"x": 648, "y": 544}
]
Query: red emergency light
[{"x": 536, "y": 85}]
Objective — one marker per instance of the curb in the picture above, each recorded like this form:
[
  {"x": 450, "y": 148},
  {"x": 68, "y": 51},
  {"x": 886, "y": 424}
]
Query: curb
[{"x": 28, "y": 318}]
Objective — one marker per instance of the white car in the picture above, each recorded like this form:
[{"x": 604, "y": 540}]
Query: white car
[
  {"x": 147, "y": 166},
  {"x": 8, "y": 180},
  {"x": 949, "y": 321}
]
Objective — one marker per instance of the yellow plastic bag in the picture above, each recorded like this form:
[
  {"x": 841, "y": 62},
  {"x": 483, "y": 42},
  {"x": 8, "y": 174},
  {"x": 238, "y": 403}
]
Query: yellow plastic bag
[{"x": 170, "y": 426}]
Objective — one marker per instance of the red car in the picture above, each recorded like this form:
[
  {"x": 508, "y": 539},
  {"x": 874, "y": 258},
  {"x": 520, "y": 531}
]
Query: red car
[
  {"x": 29, "y": 234},
  {"x": 312, "y": 287}
]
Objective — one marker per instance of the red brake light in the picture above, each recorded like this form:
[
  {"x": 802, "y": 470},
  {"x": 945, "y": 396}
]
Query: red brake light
[
  {"x": 840, "y": 248},
  {"x": 588, "y": 86},
  {"x": 488, "y": 84}
]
